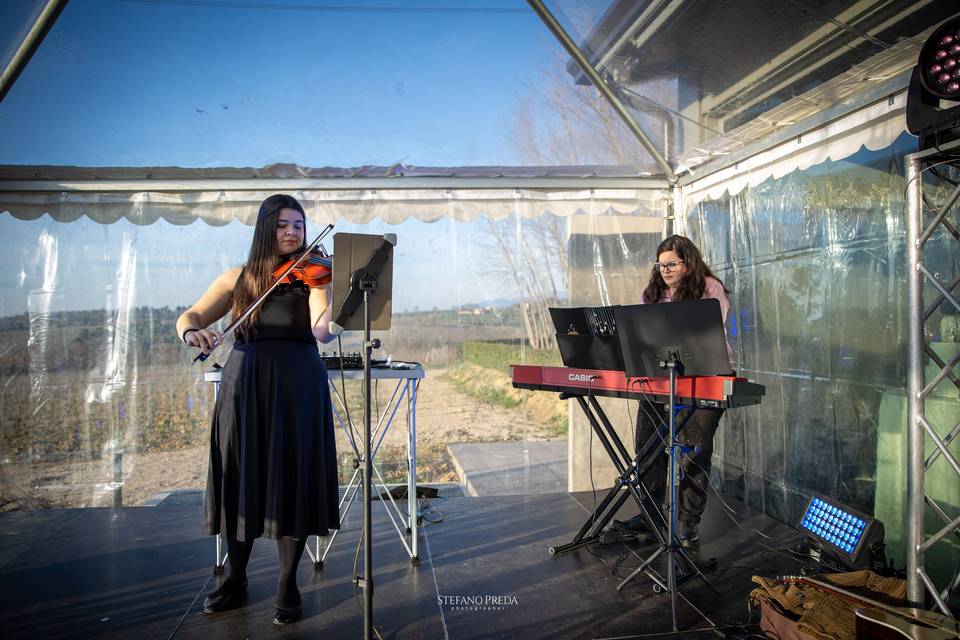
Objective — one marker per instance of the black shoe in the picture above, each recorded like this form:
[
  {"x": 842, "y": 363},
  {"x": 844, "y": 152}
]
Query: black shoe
[
  {"x": 224, "y": 597},
  {"x": 288, "y": 605},
  {"x": 283, "y": 616},
  {"x": 689, "y": 535},
  {"x": 636, "y": 524},
  {"x": 612, "y": 535}
]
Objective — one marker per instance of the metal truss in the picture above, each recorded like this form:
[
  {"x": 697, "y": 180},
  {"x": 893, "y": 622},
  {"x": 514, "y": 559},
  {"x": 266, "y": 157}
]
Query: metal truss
[{"x": 926, "y": 219}]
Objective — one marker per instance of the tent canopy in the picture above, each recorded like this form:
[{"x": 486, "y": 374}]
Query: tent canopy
[
  {"x": 144, "y": 112},
  {"x": 157, "y": 122},
  {"x": 727, "y": 91}
]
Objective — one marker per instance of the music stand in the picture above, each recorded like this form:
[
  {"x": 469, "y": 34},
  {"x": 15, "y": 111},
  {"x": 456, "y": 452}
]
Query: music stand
[
  {"x": 685, "y": 338},
  {"x": 357, "y": 250},
  {"x": 651, "y": 333},
  {"x": 570, "y": 321},
  {"x": 587, "y": 338},
  {"x": 363, "y": 274}
]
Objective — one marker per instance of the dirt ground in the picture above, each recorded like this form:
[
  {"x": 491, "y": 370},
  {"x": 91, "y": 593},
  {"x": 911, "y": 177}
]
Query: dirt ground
[{"x": 445, "y": 414}]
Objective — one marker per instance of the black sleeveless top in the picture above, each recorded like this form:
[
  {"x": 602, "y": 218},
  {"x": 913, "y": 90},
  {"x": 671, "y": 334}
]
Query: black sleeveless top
[{"x": 285, "y": 315}]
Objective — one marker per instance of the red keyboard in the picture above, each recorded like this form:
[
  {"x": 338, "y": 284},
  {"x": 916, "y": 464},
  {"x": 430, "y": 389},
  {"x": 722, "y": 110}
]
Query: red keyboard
[{"x": 713, "y": 392}]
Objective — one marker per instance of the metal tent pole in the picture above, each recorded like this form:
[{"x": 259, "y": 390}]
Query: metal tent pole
[
  {"x": 558, "y": 31},
  {"x": 31, "y": 42},
  {"x": 922, "y": 420}
]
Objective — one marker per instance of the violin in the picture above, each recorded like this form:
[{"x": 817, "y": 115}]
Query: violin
[
  {"x": 313, "y": 266},
  {"x": 315, "y": 270}
]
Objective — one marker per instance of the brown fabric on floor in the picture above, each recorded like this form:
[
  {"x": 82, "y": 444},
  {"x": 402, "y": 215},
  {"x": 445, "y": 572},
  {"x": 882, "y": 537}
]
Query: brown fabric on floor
[
  {"x": 827, "y": 616},
  {"x": 777, "y": 623}
]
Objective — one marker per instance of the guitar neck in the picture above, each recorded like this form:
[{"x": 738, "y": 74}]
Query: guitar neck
[
  {"x": 873, "y": 624},
  {"x": 833, "y": 588}
]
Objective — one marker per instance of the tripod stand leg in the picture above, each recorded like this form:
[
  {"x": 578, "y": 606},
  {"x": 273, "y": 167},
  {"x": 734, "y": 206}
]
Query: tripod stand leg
[
  {"x": 642, "y": 568},
  {"x": 697, "y": 572}
]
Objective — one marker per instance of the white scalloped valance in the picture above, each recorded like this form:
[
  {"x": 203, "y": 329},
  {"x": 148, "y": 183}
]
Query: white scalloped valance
[
  {"x": 218, "y": 196},
  {"x": 358, "y": 206},
  {"x": 875, "y": 127}
]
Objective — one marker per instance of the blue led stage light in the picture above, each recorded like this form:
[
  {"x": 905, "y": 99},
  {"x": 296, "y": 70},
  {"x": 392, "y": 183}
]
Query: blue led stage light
[{"x": 844, "y": 533}]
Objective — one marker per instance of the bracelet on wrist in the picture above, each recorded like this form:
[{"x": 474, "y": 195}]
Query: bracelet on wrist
[{"x": 185, "y": 332}]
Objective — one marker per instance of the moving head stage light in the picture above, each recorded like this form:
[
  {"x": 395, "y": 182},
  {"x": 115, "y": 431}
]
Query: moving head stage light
[
  {"x": 933, "y": 99},
  {"x": 848, "y": 535}
]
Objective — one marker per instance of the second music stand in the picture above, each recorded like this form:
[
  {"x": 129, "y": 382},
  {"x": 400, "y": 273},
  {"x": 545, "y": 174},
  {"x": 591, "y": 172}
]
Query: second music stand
[{"x": 683, "y": 338}]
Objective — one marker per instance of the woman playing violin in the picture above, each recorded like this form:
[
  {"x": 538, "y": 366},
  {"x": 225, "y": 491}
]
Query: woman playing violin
[{"x": 273, "y": 460}]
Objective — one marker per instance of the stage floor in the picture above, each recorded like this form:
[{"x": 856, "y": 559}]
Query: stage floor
[{"x": 141, "y": 572}]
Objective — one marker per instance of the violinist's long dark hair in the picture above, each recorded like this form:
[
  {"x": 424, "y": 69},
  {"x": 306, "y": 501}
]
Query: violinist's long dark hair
[
  {"x": 693, "y": 283},
  {"x": 257, "y": 273}
]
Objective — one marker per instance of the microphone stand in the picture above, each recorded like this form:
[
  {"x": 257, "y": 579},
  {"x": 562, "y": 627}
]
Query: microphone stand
[{"x": 263, "y": 296}]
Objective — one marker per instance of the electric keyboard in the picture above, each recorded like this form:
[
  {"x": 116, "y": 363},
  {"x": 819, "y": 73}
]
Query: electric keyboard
[
  {"x": 348, "y": 361},
  {"x": 710, "y": 392}
]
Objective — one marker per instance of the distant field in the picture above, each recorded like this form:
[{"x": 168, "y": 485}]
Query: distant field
[{"x": 74, "y": 391}]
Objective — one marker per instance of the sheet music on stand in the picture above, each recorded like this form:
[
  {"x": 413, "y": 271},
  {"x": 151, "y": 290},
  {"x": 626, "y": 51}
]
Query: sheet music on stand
[{"x": 601, "y": 321}]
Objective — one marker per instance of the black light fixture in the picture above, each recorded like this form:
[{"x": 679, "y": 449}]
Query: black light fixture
[
  {"x": 933, "y": 99},
  {"x": 850, "y": 536}
]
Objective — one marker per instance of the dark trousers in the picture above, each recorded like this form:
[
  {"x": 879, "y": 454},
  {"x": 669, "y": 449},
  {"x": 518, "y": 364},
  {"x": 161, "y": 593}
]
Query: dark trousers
[{"x": 694, "y": 468}]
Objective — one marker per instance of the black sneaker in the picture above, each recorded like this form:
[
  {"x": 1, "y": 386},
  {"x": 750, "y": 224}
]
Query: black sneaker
[
  {"x": 636, "y": 524},
  {"x": 689, "y": 535}
]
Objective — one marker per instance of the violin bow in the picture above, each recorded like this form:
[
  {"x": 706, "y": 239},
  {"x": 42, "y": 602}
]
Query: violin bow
[{"x": 263, "y": 296}]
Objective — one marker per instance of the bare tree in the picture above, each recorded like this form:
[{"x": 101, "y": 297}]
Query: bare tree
[
  {"x": 558, "y": 122},
  {"x": 534, "y": 258},
  {"x": 561, "y": 124}
]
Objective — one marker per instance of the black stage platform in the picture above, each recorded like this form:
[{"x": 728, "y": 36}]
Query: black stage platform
[{"x": 141, "y": 572}]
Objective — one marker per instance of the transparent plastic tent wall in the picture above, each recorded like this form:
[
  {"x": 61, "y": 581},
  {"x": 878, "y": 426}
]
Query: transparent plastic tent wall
[
  {"x": 100, "y": 405},
  {"x": 816, "y": 262}
]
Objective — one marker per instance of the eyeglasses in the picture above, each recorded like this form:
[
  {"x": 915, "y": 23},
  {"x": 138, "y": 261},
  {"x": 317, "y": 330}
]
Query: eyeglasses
[{"x": 667, "y": 266}]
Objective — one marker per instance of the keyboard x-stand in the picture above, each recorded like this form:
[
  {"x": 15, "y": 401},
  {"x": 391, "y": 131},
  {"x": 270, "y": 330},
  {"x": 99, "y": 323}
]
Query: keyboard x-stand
[
  {"x": 628, "y": 484},
  {"x": 586, "y": 386}
]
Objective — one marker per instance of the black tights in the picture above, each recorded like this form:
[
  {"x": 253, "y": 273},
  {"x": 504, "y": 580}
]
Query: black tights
[
  {"x": 238, "y": 556},
  {"x": 290, "y": 550}
]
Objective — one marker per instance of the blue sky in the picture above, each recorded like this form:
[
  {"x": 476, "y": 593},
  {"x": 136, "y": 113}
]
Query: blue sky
[
  {"x": 128, "y": 82},
  {"x": 238, "y": 83}
]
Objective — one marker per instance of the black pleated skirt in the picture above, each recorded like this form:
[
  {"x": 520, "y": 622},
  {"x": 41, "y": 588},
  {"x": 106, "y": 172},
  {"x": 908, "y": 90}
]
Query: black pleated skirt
[{"x": 273, "y": 458}]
